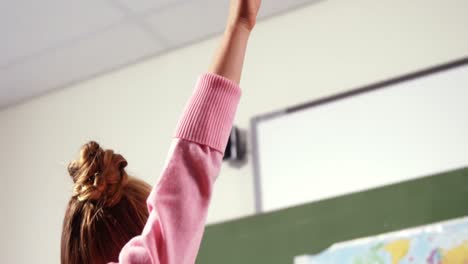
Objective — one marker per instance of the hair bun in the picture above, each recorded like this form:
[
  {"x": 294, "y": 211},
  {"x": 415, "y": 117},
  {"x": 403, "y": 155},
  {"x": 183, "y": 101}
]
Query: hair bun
[
  {"x": 98, "y": 175},
  {"x": 90, "y": 150}
]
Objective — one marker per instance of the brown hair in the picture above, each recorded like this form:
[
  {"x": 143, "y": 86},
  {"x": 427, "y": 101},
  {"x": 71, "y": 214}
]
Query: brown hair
[{"x": 107, "y": 208}]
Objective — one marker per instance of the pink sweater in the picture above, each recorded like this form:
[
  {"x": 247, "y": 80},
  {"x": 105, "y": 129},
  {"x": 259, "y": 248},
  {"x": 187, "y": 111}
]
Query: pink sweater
[{"x": 178, "y": 205}]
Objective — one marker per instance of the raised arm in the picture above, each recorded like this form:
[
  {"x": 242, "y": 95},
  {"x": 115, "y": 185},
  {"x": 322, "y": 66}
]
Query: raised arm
[
  {"x": 230, "y": 55},
  {"x": 178, "y": 205}
]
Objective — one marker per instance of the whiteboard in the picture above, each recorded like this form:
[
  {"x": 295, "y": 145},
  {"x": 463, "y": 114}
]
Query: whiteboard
[{"x": 402, "y": 129}]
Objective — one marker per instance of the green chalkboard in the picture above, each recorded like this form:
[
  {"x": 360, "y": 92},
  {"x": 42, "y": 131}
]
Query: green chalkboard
[{"x": 275, "y": 238}]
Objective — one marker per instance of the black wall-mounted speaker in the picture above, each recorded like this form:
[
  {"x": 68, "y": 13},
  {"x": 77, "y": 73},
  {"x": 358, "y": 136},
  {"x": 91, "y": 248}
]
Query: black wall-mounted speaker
[{"x": 236, "y": 146}]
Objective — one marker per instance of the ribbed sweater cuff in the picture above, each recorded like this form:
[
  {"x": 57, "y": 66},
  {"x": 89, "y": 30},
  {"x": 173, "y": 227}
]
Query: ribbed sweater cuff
[{"x": 209, "y": 114}]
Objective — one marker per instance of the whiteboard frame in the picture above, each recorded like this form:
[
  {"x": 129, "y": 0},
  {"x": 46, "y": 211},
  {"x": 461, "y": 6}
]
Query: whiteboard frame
[{"x": 256, "y": 120}]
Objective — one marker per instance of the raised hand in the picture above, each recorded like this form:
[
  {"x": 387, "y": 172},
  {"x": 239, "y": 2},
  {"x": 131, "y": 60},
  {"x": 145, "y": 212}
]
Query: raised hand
[{"x": 244, "y": 13}]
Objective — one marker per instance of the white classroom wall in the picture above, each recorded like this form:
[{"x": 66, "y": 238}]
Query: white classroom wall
[{"x": 300, "y": 56}]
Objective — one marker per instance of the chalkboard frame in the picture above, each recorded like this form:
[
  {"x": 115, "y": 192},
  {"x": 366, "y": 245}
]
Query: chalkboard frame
[{"x": 256, "y": 120}]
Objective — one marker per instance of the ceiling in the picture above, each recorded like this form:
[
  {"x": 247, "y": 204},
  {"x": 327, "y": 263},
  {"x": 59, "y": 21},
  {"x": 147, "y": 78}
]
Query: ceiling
[{"x": 50, "y": 44}]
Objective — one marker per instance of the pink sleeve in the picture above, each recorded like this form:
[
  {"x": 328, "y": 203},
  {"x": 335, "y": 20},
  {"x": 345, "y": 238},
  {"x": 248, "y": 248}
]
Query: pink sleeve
[{"x": 178, "y": 205}]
